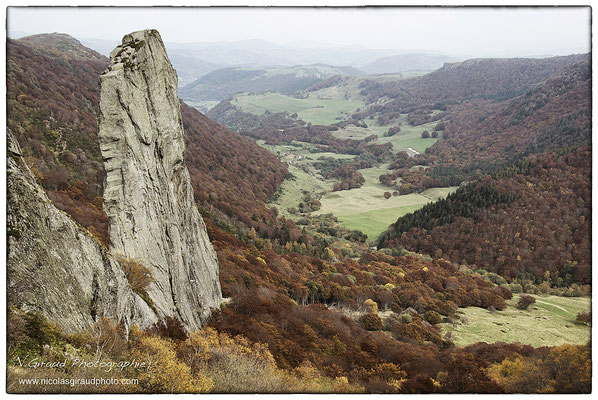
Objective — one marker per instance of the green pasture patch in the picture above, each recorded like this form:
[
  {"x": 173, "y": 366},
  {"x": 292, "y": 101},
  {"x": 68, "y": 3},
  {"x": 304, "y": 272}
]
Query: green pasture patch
[{"x": 549, "y": 322}]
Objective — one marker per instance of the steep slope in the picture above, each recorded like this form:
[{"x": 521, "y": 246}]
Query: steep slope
[
  {"x": 551, "y": 115},
  {"x": 542, "y": 233},
  {"x": 485, "y": 136},
  {"x": 52, "y": 99},
  {"x": 147, "y": 195},
  {"x": 537, "y": 149},
  {"x": 56, "y": 267}
]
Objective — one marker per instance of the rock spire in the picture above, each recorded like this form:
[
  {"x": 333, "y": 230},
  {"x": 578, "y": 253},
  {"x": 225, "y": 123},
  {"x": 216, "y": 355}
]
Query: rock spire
[{"x": 147, "y": 192}]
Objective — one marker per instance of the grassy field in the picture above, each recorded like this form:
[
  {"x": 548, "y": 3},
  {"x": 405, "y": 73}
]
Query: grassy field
[
  {"x": 258, "y": 104},
  {"x": 202, "y": 106},
  {"x": 550, "y": 322},
  {"x": 299, "y": 159},
  {"x": 364, "y": 208},
  {"x": 323, "y": 107},
  {"x": 374, "y": 222},
  {"x": 367, "y": 210},
  {"x": 410, "y": 136}
]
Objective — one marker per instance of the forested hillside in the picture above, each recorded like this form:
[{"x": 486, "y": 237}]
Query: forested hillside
[
  {"x": 535, "y": 147},
  {"x": 52, "y": 100},
  {"x": 495, "y": 79},
  {"x": 537, "y": 223},
  {"x": 551, "y": 115}
]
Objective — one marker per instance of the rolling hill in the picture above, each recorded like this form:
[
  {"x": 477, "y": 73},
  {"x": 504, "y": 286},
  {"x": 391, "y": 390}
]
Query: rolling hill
[{"x": 223, "y": 83}]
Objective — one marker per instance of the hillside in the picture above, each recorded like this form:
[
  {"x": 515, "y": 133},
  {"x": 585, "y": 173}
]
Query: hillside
[
  {"x": 548, "y": 116},
  {"x": 231, "y": 177},
  {"x": 223, "y": 83},
  {"x": 52, "y": 100},
  {"x": 536, "y": 149},
  {"x": 544, "y": 228},
  {"x": 494, "y": 79},
  {"x": 406, "y": 63}
]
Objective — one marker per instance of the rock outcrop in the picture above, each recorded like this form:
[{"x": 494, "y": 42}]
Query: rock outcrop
[
  {"x": 147, "y": 193},
  {"x": 55, "y": 266}
]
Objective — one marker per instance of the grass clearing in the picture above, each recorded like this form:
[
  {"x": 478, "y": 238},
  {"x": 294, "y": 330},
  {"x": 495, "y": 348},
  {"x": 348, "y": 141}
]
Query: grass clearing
[
  {"x": 367, "y": 210},
  {"x": 549, "y": 322},
  {"x": 374, "y": 222},
  {"x": 307, "y": 179},
  {"x": 363, "y": 209},
  {"x": 203, "y": 106},
  {"x": 323, "y": 107},
  {"x": 409, "y": 136}
]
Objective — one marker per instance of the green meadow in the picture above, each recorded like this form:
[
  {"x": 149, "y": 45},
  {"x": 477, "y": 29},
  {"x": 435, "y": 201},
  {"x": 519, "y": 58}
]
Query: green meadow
[
  {"x": 365, "y": 208},
  {"x": 322, "y": 107},
  {"x": 549, "y": 322},
  {"x": 409, "y": 136}
]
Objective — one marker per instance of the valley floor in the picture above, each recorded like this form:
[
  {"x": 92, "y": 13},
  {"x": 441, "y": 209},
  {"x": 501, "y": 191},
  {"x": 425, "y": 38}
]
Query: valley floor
[{"x": 364, "y": 209}]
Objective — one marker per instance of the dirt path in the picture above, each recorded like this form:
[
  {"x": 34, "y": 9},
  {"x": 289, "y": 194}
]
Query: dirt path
[{"x": 553, "y": 305}]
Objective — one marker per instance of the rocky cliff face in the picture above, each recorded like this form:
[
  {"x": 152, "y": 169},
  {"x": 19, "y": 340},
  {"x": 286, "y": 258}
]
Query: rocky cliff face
[
  {"x": 148, "y": 195},
  {"x": 55, "y": 266}
]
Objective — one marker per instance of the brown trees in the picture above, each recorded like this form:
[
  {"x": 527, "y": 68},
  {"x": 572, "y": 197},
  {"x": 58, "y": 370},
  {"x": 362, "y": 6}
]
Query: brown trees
[
  {"x": 584, "y": 317},
  {"x": 525, "y": 301}
]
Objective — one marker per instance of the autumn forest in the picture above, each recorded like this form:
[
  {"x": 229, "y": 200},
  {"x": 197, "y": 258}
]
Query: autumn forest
[{"x": 374, "y": 233}]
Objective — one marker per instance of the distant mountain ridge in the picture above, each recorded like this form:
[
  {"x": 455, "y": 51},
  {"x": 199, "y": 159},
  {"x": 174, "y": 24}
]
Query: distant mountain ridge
[{"x": 407, "y": 63}]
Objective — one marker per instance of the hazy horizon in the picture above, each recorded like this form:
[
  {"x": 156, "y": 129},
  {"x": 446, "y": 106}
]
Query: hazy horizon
[{"x": 464, "y": 32}]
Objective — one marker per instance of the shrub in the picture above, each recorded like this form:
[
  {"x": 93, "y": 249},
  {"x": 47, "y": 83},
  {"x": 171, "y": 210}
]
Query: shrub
[
  {"x": 371, "y": 322},
  {"x": 371, "y": 306},
  {"x": 233, "y": 363},
  {"x": 516, "y": 288},
  {"x": 169, "y": 328},
  {"x": 137, "y": 274},
  {"x": 525, "y": 301},
  {"x": 584, "y": 317},
  {"x": 405, "y": 318},
  {"x": 502, "y": 292},
  {"x": 166, "y": 373},
  {"x": 108, "y": 338},
  {"x": 425, "y": 134},
  {"x": 433, "y": 317}
]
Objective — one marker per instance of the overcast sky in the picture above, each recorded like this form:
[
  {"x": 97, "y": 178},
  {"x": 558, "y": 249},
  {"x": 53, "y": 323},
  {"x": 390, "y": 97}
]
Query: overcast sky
[{"x": 458, "y": 31}]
